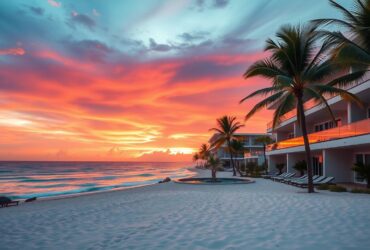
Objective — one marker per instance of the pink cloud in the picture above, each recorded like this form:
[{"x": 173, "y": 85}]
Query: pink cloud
[
  {"x": 55, "y": 3},
  {"x": 13, "y": 51}
]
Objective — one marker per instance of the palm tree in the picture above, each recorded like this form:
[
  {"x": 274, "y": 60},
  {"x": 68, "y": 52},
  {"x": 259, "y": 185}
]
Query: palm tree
[
  {"x": 295, "y": 67},
  {"x": 280, "y": 167},
  {"x": 363, "y": 170},
  {"x": 196, "y": 158},
  {"x": 226, "y": 128},
  {"x": 204, "y": 153},
  {"x": 353, "y": 47},
  {"x": 213, "y": 162},
  {"x": 300, "y": 166},
  {"x": 264, "y": 140},
  {"x": 237, "y": 148}
]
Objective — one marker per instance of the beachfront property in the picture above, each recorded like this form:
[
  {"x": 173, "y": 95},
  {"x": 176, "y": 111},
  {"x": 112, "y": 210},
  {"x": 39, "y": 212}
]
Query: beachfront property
[
  {"x": 252, "y": 149},
  {"x": 335, "y": 146}
]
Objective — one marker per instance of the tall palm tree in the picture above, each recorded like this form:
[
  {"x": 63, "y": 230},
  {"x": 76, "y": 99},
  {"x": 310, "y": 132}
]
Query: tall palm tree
[
  {"x": 296, "y": 68},
  {"x": 226, "y": 128},
  {"x": 237, "y": 148},
  {"x": 204, "y": 153},
  {"x": 264, "y": 140},
  {"x": 353, "y": 47}
]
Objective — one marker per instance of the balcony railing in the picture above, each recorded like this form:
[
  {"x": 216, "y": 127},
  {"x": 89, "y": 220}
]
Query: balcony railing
[{"x": 345, "y": 131}]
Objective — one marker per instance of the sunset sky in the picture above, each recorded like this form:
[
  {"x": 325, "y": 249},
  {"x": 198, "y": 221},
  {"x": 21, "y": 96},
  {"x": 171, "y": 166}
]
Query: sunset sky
[{"x": 130, "y": 80}]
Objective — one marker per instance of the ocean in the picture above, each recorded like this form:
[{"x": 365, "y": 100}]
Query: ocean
[{"x": 22, "y": 180}]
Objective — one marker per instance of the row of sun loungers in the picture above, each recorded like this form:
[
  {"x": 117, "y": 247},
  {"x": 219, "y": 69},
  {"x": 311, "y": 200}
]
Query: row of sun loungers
[{"x": 302, "y": 181}]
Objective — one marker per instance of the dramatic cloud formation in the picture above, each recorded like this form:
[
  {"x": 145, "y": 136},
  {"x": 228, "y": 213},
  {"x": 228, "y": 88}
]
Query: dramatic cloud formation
[{"x": 119, "y": 80}]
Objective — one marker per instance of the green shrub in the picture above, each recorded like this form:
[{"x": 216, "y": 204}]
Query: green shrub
[
  {"x": 323, "y": 187},
  {"x": 335, "y": 188},
  {"x": 360, "y": 191}
]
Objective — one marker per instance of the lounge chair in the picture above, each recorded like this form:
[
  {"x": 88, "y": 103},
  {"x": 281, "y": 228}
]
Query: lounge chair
[
  {"x": 317, "y": 178},
  {"x": 7, "y": 202},
  {"x": 279, "y": 176},
  {"x": 325, "y": 180},
  {"x": 269, "y": 176},
  {"x": 287, "y": 180},
  {"x": 289, "y": 175},
  {"x": 303, "y": 180}
]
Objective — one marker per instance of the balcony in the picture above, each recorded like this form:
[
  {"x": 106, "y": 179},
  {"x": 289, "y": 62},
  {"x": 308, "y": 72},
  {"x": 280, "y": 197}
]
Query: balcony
[
  {"x": 345, "y": 131},
  {"x": 310, "y": 104}
]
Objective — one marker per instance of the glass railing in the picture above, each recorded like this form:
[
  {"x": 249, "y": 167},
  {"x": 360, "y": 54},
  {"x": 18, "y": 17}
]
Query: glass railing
[{"x": 349, "y": 130}]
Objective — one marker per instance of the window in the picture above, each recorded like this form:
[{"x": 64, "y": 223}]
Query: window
[
  {"x": 365, "y": 159},
  {"x": 317, "y": 165},
  {"x": 328, "y": 125}
]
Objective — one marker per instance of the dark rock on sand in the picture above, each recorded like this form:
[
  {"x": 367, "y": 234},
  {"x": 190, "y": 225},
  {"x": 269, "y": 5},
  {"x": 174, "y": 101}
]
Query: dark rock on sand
[
  {"x": 30, "y": 199},
  {"x": 167, "y": 179}
]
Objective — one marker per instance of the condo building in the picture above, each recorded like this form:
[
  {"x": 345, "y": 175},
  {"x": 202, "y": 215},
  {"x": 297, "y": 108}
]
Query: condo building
[
  {"x": 252, "y": 149},
  {"x": 335, "y": 144}
]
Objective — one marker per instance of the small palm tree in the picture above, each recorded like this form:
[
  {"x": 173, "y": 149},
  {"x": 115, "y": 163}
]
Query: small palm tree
[
  {"x": 237, "y": 148},
  {"x": 295, "y": 67},
  {"x": 226, "y": 128},
  {"x": 214, "y": 163},
  {"x": 264, "y": 140},
  {"x": 353, "y": 47},
  {"x": 363, "y": 170},
  {"x": 300, "y": 166},
  {"x": 196, "y": 158},
  {"x": 204, "y": 153},
  {"x": 280, "y": 167}
]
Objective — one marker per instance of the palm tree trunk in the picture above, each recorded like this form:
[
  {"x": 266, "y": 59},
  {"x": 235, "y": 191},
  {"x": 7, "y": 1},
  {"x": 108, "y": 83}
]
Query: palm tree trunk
[
  {"x": 306, "y": 144},
  {"x": 264, "y": 156},
  {"x": 231, "y": 158}
]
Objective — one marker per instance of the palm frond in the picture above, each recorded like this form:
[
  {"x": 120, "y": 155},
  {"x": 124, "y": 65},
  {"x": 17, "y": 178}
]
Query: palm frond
[
  {"x": 286, "y": 104},
  {"x": 261, "y": 92},
  {"x": 264, "y": 103},
  {"x": 312, "y": 92},
  {"x": 264, "y": 68},
  {"x": 348, "y": 79},
  {"x": 347, "y": 96}
]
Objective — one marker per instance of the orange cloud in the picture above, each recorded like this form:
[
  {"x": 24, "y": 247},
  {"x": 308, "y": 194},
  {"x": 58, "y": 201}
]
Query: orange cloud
[{"x": 84, "y": 110}]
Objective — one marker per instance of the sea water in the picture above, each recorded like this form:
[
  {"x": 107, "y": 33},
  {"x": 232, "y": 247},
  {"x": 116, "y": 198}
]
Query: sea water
[{"x": 22, "y": 180}]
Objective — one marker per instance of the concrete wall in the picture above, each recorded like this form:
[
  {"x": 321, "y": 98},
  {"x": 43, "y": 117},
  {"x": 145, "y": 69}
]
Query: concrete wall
[
  {"x": 338, "y": 163},
  {"x": 276, "y": 159},
  {"x": 356, "y": 113},
  {"x": 292, "y": 159}
]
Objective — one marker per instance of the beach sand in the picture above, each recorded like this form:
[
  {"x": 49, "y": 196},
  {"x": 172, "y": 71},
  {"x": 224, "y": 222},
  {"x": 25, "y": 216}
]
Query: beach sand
[{"x": 261, "y": 215}]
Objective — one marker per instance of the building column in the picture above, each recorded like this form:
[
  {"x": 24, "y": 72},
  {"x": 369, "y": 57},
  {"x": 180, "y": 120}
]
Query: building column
[{"x": 355, "y": 113}]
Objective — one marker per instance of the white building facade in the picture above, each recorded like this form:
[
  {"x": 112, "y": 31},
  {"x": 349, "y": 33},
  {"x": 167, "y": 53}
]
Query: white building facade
[
  {"x": 252, "y": 150},
  {"x": 335, "y": 145}
]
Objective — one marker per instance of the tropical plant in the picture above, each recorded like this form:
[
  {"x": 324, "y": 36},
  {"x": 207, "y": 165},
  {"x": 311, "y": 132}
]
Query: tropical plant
[
  {"x": 296, "y": 68},
  {"x": 214, "y": 163},
  {"x": 363, "y": 170},
  {"x": 226, "y": 128},
  {"x": 352, "y": 46},
  {"x": 237, "y": 148},
  {"x": 264, "y": 140},
  {"x": 300, "y": 166},
  {"x": 196, "y": 158},
  {"x": 280, "y": 167},
  {"x": 204, "y": 153}
]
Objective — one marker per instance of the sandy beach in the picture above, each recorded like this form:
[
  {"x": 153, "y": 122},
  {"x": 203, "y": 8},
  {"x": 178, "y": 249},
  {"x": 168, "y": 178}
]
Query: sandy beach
[{"x": 261, "y": 215}]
